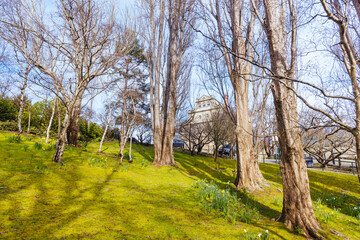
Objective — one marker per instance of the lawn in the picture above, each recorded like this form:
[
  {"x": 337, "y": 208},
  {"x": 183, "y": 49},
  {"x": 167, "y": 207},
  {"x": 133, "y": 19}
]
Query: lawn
[{"x": 90, "y": 196}]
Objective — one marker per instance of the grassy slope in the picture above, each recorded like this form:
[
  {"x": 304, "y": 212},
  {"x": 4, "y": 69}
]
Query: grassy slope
[{"x": 40, "y": 200}]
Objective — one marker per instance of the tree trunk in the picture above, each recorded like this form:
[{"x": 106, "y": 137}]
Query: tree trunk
[
  {"x": 123, "y": 120},
  {"x": 50, "y": 122},
  {"x": 60, "y": 144},
  {"x": 297, "y": 206},
  {"x": 103, "y": 137},
  {"x": 248, "y": 174},
  {"x": 357, "y": 144},
  {"x": 130, "y": 157},
  {"x": 59, "y": 117},
  {"x": 22, "y": 103},
  {"x": 29, "y": 120},
  {"x": 73, "y": 129}
]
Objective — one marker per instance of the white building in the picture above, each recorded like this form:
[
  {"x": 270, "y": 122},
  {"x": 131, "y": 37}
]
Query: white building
[{"x": 205, "y": 106}]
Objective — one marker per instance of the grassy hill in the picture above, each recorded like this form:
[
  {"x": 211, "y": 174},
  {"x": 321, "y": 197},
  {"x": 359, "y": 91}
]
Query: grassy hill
[{"x": 90, "y": 196}]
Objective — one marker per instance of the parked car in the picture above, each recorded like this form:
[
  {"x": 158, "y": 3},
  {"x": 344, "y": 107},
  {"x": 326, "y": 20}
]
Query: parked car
[{"x": 224, "y": 150}]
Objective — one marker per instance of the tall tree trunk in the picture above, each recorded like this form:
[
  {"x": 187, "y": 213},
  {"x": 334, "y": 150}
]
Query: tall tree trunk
[
  {"x": 297, "y": 206},
  {"x": 59, "y": 117},
  {"x": 248, "y": 174},
  {"x": 123, "y": 119},
  {"x": 130, "y": 156},
  {"x": 73, "y": 129},
  {"x": 50, "y": 122},
  {"x": 29, "y": 120},
  {"x": 22, "y": 98}
]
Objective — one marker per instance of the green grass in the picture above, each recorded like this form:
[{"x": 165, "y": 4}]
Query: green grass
[{"x": 90, "y": 196}]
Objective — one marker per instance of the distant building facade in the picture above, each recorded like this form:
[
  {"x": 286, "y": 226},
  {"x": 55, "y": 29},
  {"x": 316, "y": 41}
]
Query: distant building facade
[{"x": 205, "y": 106}]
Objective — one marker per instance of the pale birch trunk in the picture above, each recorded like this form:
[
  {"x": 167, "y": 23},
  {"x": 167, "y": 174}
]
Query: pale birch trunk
[
  {"x": 50, "y": 122},
  {"x": 130, "y": 156},
  {"x": 123, "y": 120},
  {"x": 22, "y": 98},
  {"x": 29, "y": 120}
]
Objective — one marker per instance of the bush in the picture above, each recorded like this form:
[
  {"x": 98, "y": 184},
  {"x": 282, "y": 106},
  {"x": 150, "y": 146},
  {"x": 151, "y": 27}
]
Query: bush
[
  {"x": 14, "y": 139},
  {"x": 38, "y": 146},
  {"x": 9, "y": 126}
]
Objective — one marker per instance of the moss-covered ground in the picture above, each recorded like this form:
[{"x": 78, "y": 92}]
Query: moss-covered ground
[{"x": 90, "y": 196}]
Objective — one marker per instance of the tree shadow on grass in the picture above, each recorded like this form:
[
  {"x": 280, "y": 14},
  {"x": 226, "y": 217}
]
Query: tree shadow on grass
[{"x": 334, "y": 190}]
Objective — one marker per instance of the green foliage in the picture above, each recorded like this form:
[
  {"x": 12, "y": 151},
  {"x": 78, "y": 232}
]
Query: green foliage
[
  {"x": 50, "y": 147},
  {"x": 14, "y": 139},
  {"x": 91, "y": 132},
  {"x": 26, "y": 147},
  {"x": 8, "y": 110},
  {"x": 84, "y": 145},
  {"x": 38, "y": 146},
  {"x": 98, "y": 162},
  {"x": 144, "y": 163},
  {"x": 225, "y": 202},
  {"x": 9, "y": 126}
]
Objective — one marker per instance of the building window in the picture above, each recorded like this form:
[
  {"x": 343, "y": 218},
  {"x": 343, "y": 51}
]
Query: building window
[
  {"x": 208, "y": 104},
  {"x": 200, "y": 106},
  {"x": 204, "y": 105}
]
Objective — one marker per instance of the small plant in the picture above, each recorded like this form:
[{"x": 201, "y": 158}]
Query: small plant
[
  {"x": 14, "y": 139},
  {"x": 84, "y": 145},
  {"x": 144, "y": 163},
  {"x": 277, "y": 201},
  {"x": 38, "y": 146},
  {"x": 298, "y": 230},
  {"x": 98, "y": 162},
  {"x": 224, "y": 202},
  {"x": 26, "y": 147},
  {"x": 51, "y": 147},
  {"x": 253, "y": 236},
  {"x": 323, "y": 213}
]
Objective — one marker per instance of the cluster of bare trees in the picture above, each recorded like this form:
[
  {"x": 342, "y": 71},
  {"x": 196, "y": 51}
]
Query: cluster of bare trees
[{"x": 250, "y": 48}]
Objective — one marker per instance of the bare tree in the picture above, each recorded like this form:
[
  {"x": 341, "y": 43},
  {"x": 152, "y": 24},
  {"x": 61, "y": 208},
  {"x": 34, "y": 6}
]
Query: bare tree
[
  {"x": 297, "y": 206},
  {"x": 163, "y": 108},
  {"x": 195, "y": 135},
  {"x": 83, "y": 44},
  {"x": 219, "y": 128},
  {"x": 231, "y": 20}
]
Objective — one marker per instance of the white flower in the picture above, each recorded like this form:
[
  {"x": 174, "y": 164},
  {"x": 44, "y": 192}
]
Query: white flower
[
  {"x": 267, "y": 231},
  {"x": 245, "y": 230},
  {"x": 259, "y": 235}
]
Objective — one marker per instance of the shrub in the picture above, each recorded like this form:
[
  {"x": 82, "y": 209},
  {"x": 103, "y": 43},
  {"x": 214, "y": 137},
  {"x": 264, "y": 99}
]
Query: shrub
[
  {"x": 51, "y": 147},
  {"x": 9, "y": 126},
  {"x": 38, "y": 146},
  {"x": 26, "y": 148},
  {"x": 14, "y": 139},
  {"x": 84, "y": 145}
]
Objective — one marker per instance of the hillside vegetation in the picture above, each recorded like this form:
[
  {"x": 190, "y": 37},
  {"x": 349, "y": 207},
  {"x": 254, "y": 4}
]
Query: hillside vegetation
[{"x": 90, "y": 196}]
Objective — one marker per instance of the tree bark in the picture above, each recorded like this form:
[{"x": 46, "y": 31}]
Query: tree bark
[
  {"x": 297, "y": 206},
  {"x": 50, "y": 122},
  {"x": 22, "y": 102},
  {"x": 61, "y": 141},
  {"x": 29, "y": 120},
  {"x": 73, "y": 129}
]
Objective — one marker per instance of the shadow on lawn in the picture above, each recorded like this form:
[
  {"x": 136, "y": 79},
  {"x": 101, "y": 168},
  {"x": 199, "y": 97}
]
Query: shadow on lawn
[{"x": 337, "y": 193}]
